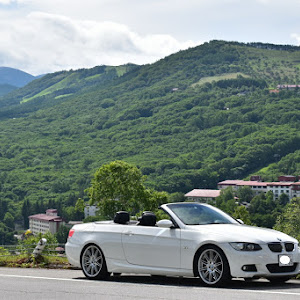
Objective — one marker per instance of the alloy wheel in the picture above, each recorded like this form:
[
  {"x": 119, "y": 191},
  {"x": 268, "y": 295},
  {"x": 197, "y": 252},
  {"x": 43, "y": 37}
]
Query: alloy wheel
[{"x": 210, "y": 266}]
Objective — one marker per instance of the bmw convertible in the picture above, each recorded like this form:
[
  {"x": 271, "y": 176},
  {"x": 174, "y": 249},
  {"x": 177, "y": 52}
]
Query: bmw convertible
[{"x": 195, "y": 240}]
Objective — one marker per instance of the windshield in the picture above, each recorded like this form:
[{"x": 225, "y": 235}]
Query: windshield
[{"x": 200, "y": 214}]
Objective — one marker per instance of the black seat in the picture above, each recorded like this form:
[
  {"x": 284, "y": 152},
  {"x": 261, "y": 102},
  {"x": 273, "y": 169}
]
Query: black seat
[
  {"x": 148, "y": 218},
  {"x": 122, "y": 217}
]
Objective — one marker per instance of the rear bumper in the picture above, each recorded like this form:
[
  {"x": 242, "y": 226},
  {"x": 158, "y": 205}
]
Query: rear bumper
[{"x": 73, "y": 254}]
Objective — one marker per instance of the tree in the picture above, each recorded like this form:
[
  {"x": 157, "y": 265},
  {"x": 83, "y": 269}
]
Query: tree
[
  {"x": 62, "y": 234},
  {"x": 242, "y": 213},
  {"x": 283, "y": 199},
  {"x": 226, "y": 200},
  {"x": 263, "y": 210},
  {"x": 245, "y": 194},
  {"x": 119, "y": 186},
  {"x": 9, "y": 221},
  {"x": 289, "y": 221},
  {"x": 79, "y": 206},
  {"x": 26, "y": 212}
]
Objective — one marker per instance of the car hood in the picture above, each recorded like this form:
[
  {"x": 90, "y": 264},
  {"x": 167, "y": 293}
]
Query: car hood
[{"x": 242, "y": 233}]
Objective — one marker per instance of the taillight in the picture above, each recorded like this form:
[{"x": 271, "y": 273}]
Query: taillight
[{"x": 71, "y": 232}]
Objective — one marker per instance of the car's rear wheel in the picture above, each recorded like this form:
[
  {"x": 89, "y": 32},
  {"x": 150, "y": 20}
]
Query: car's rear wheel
[
  {"x": 93, "y": 262},
  {"x": 212, "y": 266}
]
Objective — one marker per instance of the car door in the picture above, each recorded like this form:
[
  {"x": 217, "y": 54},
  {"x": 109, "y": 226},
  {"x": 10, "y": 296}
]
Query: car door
[{"x": 152, "y": 246}]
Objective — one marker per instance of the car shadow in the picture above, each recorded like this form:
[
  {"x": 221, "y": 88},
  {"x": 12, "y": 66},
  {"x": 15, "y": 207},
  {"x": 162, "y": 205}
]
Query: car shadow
[{"x": 260, "y": 284}]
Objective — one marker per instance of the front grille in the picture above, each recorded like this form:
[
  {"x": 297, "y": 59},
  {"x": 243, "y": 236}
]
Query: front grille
[
  {"x": 289, "y": 247},
  {"x": 275, "y": 247},
  {"x": 274, "y": 268}
]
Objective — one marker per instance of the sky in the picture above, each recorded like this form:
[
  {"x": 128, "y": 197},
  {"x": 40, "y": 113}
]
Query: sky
[{"x": 42, "y": 36}]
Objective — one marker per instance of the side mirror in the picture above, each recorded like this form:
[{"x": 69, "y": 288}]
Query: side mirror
[
  {"x": 165, "y": 224},
  {"x": 240, "y": 221}
]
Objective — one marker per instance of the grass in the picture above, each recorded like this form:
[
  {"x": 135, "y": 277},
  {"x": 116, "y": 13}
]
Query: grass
[
  {"x": 28, "y": 261},
  {"x": 62, "y": 96},
  {"x": 210, "y": 79}
]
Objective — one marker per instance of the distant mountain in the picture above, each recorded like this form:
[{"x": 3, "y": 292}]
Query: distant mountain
[
  {"x": 14, "y": 77},
  {"x": 11, "y": 79},
  {"x": 6, "y": 88}
]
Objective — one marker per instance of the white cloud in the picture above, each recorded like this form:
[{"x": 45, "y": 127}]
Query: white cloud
[
  {"x": 44, "y": 42},
  {"x": 296, "y": 37},
  {"x": 5, "y": 2},
  {"x": 47, "y": 35}
]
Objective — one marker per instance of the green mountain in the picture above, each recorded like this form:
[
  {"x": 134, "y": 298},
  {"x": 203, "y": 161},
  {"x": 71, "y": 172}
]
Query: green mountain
[
  {"x": 6, "y": 88},
  {"x": 188, "y": 121}
]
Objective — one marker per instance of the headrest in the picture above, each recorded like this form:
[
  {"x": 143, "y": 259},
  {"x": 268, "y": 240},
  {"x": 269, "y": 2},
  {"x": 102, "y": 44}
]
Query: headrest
[
  {"x": 148, "y": 218},
  {"x": 121, "y": 217}
]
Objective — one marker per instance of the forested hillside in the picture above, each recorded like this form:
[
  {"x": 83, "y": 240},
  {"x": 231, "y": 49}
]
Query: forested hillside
[{"x": 188, "y": 121}]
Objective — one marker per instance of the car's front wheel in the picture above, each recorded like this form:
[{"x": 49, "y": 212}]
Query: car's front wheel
[
  {"x": 93, "y": 262},
  {"x": 212, "y": 266}
]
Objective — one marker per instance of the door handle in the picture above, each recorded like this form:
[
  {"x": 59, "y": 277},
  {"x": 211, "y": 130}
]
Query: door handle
[{"x": 128, "y": 233}]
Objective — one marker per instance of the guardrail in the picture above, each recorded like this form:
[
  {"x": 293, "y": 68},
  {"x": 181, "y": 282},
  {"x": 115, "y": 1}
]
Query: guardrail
[{"x": 54, "y": 250}]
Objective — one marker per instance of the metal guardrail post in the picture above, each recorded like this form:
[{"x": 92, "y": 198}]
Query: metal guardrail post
[{"x": 39, "y": 247}]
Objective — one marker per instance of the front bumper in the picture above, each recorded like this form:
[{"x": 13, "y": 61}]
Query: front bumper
[{"x": 265, "y": 261}]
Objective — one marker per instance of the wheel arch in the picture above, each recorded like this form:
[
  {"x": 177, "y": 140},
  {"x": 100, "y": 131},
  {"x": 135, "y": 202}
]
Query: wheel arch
[
  {"x": 87, "y": 245},
  {"x": 102, "y": 273},
  {"x": 197, "y": 254}
]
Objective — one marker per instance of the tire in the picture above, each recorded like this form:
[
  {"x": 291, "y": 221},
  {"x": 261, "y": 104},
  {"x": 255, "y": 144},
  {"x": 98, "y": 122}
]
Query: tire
[
  {"x": 93, "y": 262},
  {"x": 278, "y": 280},
  {"x": 212, "y": 266}
]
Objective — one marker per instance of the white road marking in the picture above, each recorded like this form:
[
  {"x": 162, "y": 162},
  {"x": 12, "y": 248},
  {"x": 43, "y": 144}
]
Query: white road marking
[
  {"x": 46, "y": 278},
  {"x": 208, "y": 289}
]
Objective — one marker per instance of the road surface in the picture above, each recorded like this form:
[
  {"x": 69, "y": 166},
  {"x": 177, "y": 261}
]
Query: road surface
[{"x": 43, "y": 284}]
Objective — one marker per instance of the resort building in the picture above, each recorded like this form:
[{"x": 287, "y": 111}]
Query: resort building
[
  {"x": 203, "y": 195},
  {"x": 42, "y": 223},
  {"x": 285, "y": 185},
  {"x": 90, "y": 210}
]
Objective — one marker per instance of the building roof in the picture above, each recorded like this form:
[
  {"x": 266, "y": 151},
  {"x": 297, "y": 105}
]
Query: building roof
[
  {"x": 253, "y": 183},
  {"x": 257, "y": 183},
  {"x": 203, "y": 193},
  {"x": 242, "y": 182},
  {"x": 46, "y": 218},
  {"x": 230, "y": 182},
  {"x": 283, "y": 183}
]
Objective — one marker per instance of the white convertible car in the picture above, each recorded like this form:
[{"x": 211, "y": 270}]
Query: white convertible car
[{"x": 197, "y": 240}]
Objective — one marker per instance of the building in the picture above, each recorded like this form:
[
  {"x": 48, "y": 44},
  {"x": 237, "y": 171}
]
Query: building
[
  {"x": 42, "y": 223},
  {"x": 90, "y": 210},
  {"x": 287, "y": 178},
  {"x": 288, "y": 86},
  {"x": 203, "y": 195},
  {"x": 257, "y": 186},
  {"x": 285, "y": 185}
]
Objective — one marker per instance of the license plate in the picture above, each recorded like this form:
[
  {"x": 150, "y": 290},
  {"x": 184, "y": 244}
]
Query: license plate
[{"x": 285, "y": 260}]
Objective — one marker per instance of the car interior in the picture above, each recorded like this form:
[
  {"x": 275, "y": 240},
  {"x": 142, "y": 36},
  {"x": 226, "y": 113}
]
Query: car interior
[{"x": 148, "y": 218}]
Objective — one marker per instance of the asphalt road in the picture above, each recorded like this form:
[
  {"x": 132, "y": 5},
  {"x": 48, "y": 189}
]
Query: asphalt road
[{"x": 46, "y": 284}]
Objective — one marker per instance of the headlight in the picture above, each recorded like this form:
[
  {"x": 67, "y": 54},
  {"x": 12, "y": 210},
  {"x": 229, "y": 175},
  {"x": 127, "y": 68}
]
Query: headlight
[{"x": 245, "y": 246}]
